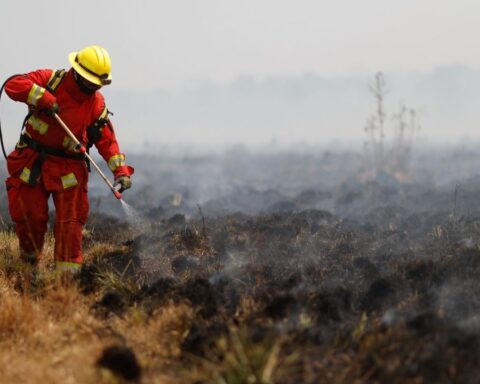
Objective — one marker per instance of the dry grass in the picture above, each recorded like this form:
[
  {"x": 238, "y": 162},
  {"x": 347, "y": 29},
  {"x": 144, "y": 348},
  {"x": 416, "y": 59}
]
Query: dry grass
[
  {"x": 50, "y": 338},
  {"x": 49, "y": 334},
  {"x": 237, "y": 359}
]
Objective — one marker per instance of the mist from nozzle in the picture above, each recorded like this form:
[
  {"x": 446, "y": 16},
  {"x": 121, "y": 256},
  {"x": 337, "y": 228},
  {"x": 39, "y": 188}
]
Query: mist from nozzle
[
  {"x": 134, "y": 218},
  {"x": 139, "y": 224}
]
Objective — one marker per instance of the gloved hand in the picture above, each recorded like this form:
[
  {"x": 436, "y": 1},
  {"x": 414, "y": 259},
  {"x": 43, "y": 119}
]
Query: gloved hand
[
  {"x": 122, "y": 183},
  {"x": 51, "y": 110},
  {"x": 48, "y": 104}
]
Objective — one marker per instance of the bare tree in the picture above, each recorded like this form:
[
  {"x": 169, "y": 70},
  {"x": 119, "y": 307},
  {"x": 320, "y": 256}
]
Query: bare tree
[
  {"x": 389, "y": 151},
  {"x": 406, "y": 126},
  {"x": 375, "y": 127}
]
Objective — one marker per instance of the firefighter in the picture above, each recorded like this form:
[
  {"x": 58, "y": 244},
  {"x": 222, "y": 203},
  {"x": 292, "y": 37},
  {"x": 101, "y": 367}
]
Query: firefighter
[{"x": 46, "y": 162}]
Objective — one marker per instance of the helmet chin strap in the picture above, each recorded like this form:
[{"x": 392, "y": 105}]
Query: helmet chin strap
[{"x": 81, "y": 83}]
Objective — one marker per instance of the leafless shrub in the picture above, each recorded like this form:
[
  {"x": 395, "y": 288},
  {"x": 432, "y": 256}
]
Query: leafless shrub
[{"x": 388, "y": 149}]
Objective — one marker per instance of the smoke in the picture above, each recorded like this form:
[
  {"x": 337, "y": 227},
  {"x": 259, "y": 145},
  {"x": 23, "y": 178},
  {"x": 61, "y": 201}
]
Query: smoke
[
  {"x": 458, "y": 303},
  {"x": 249, "y": 181}
]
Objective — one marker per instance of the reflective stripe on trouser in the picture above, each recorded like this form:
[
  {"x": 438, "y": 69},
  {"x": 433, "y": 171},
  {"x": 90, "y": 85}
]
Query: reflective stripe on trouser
[
  {"x": 65, "y": 266},
  {"x": 28, "y": 207}
]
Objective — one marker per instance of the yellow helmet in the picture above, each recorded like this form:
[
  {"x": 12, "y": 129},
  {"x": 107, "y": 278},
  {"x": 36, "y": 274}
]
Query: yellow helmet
[{"x": 93, "y": 64}]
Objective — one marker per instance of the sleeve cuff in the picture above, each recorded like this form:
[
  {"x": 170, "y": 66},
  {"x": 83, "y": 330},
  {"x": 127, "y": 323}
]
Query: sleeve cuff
[{"x": 125, "y": 170}]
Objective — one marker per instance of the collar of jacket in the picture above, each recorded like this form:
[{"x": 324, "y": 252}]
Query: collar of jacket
[{"x": 74, "y": 90}]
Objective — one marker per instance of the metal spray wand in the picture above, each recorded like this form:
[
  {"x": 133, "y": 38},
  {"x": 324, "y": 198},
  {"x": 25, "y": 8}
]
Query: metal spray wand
[{"x": 81, "y": 148}]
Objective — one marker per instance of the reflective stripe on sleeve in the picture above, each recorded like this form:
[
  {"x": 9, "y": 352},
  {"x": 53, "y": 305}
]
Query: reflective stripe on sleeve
[
  {"x": 35, "y": 94},
  {"x": 116, "y": 161},
  {"x": 69, "y": 180}
]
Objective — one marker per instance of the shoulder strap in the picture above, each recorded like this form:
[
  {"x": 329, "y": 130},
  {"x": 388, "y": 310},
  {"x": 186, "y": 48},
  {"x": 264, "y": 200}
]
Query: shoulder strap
[
  {"x": 94, "y": 131},
  {"x": 55, "y": 80}
]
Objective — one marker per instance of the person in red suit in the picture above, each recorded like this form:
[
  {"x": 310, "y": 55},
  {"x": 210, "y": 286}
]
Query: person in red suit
[{"x": 46, "y": 162}]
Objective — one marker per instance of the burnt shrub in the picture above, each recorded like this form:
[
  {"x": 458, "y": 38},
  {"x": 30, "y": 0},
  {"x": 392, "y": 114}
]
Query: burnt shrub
[
  {"x": 111, "y": 302},
  {"x": 121, "y": 360},
  {"x": 377, "y": 294}
]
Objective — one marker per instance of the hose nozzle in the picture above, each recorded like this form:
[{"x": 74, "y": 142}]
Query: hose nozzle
[{"x": 118, "y": 195}]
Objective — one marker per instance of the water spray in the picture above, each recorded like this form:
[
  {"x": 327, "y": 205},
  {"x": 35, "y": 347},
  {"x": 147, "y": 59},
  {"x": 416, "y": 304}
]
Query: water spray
[
  {"x": 132, "y": 215},
  {"x": 81, "y": 148}
]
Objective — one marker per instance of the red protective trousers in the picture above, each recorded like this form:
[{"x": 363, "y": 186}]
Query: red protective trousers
[{"x": 28, "y": 207}]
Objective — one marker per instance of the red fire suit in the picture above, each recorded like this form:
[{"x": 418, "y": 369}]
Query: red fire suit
[{"x": 64, "y": 178}]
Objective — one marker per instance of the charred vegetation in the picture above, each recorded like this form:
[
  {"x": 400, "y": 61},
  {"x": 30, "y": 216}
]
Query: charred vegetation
[{"x": 385, "y": 295}]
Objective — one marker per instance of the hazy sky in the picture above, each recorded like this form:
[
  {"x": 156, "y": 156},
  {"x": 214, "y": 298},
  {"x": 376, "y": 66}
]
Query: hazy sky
[
  {"x": 183, "y": 48},
  {"x": 172, "y": 44}
]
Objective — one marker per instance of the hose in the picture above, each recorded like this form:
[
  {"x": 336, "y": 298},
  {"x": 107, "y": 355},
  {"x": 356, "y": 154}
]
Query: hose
[{"x": 1, "y": 133}]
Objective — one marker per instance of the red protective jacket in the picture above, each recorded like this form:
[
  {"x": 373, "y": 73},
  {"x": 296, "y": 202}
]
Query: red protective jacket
[{"x": 78, "y": 110}]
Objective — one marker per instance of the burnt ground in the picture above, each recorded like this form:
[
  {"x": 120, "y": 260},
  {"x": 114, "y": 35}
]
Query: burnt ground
[
  {"x": 382, "y": 287},
  {"x": 386, "y": 300}
]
